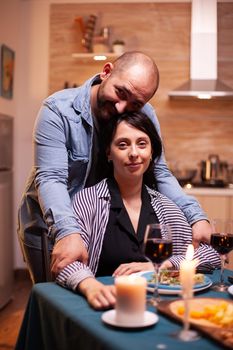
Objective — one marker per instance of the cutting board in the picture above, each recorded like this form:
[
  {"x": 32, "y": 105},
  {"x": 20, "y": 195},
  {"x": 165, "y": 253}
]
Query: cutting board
[{"x": 223, "y": 335}]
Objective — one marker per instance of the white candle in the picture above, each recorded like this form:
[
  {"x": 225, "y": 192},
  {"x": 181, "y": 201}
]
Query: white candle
[
  {"x": 187, "y": 272},
  {"x": 130, "y": 299}
]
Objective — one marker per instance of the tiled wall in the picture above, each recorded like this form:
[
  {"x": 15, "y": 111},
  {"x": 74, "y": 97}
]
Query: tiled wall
[{"x": 191, "y": 129}]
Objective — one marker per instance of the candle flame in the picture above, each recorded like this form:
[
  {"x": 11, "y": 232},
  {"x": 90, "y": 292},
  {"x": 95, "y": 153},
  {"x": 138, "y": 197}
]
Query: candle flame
[{"x": 189, "y": 252}]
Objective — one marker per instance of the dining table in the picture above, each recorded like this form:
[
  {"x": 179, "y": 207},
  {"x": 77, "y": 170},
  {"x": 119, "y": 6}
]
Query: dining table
[{"x": 58, "y": 318}]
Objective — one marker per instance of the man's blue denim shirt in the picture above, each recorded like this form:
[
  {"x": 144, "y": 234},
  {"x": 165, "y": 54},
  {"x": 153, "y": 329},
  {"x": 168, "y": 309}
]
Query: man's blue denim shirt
[{"x": 62, "y": 160}]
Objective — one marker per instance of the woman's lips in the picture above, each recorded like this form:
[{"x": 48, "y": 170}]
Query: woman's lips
[{"x": 133, "y": 166}]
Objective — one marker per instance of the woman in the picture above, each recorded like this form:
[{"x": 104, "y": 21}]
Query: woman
[{"x": 114, "y": 213}]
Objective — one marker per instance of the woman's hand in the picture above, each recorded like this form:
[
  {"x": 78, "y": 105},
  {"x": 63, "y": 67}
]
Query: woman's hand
[
  {"x": 127, "y": 269},
  {"x": 98, "y": 295}
]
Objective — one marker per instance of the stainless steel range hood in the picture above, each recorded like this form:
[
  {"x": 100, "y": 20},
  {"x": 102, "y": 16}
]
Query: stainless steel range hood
[{"x": 203, "y": 83}]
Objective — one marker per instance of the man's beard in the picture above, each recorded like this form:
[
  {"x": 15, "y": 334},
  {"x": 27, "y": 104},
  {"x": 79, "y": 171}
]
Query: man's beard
[{"x": 106, "y": 109}]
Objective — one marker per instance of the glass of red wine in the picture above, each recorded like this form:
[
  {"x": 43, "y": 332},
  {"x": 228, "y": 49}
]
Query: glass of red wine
[
  {"x": 157, "y": 249},
  {"x": 222, "y": 241}
]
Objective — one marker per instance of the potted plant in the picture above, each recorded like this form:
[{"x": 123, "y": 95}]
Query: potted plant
[{"x": 118, "y": 46}]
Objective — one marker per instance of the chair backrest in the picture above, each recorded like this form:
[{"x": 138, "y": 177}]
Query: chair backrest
[{"x": 45, "y": 257}]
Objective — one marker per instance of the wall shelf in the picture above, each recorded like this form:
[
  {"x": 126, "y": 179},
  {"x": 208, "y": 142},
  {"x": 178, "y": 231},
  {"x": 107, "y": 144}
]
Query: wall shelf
[{"x": 96, "y": 56}]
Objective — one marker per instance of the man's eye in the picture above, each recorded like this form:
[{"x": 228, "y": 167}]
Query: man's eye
[{"x": 121, "y": 93}]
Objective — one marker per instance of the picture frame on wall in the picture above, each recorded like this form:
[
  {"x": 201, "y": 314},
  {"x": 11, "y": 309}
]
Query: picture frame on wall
[{"x": 7, "y": 72}]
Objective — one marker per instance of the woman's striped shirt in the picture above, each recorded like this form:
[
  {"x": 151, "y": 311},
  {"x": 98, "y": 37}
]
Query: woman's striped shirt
[{"x": 92, "y": 207}]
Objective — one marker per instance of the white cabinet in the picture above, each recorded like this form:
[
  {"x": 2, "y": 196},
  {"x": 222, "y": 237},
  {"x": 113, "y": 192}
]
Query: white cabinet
[
  {"x": 217, "y": 207},
  {"x": 217, "y": 203}
]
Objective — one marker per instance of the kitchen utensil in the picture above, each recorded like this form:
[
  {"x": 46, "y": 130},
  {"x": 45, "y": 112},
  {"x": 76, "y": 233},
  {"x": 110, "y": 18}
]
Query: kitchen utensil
[
  {"x": 184, "y": 176},
  {"x": 214, "y": 172}
]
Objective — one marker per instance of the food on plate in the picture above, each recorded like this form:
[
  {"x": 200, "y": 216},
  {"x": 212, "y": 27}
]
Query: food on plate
[
  {"x": 220, "y": 314},
  {"x": 171, "y": 277}
]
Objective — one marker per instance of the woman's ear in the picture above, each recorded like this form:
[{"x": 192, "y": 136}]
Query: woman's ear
[
  {"x": 108, "y": 154},
  {"x": 107, "y": 70}
]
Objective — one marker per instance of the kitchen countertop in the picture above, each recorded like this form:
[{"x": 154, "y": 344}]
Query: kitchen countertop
[{"x": 209, "y": 191}]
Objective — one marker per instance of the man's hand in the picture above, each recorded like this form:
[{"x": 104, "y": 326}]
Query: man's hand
[
  {"x": 98, "y": 295},
  {"x": 66, "y": 251},
  {"x": 127, "y": 269},
  {"x": 201, "y": 232}
]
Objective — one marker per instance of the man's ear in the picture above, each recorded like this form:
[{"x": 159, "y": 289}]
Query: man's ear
[{"x": 107, "y": 70}]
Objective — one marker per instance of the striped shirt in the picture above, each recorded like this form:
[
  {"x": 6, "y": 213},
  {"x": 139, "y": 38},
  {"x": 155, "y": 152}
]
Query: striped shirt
[{"x": 92, "y": 207}]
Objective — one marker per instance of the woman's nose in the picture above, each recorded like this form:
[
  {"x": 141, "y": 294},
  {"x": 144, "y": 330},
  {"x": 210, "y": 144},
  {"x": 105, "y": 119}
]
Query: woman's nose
[
  {"x": 133, "y": 152},
  {"x": 121, "y": 106}
]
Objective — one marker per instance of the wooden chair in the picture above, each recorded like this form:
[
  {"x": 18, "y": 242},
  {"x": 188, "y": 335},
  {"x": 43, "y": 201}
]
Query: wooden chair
[{"x": 45, "y": 257}]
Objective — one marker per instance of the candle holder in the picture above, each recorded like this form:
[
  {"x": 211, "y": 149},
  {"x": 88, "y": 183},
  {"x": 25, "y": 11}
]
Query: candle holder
[
  {"x": 186, "y": 334},
  {"x": 187, "y": 272}
]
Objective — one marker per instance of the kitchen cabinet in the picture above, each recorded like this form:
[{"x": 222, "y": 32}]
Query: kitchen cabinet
[
  {"x": 220, "y": 207},
  {"x": 217, "y": 203}
]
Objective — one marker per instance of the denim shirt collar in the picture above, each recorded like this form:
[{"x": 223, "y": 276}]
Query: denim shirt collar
[{"x": 82, "y": 103}]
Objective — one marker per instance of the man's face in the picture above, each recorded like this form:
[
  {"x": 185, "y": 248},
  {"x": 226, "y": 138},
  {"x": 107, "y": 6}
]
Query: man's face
[{"x": 125, "y": 91}]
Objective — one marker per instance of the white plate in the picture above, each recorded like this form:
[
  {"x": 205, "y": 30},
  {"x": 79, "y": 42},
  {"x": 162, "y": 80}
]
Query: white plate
[
  {"x": 109, "y": 317},
  {"x": 174, "y": 289},
  {"x": 230, "y": 289}
]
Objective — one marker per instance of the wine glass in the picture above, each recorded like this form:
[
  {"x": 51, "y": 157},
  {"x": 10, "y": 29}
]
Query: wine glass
[
  {"x": 222, "y": 241},
  {"x": 157, "y": 248}
]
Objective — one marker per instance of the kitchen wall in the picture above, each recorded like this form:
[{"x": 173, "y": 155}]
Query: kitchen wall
[
  {"x": 9, "y": 25},
  {"x": 24, "y": 27},
  {"x": 191, "y": 129}
]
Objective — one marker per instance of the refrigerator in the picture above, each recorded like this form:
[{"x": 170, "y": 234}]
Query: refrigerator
[{"x": 6, "y": 209}]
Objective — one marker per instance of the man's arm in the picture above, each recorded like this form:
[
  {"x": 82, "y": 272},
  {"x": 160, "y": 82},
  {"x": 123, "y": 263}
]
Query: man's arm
[
  {"x": 201, "y": 231},
  {"x": 170, "y": 187},
  {"x": 51, "y": 178}
]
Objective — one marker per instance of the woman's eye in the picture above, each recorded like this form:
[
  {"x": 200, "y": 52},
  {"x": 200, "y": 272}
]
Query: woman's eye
[
  {"x": 122, "y": 145},
  {"x": 142, "y": 144}
]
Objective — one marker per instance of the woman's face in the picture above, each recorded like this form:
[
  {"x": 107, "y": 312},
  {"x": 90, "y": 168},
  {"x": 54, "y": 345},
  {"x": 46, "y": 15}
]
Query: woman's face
[{"x": 130, "y": 151}]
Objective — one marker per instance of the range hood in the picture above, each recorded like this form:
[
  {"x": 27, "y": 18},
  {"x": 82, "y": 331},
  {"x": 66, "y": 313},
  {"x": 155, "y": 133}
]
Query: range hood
[{"x": 203, "y": 83}]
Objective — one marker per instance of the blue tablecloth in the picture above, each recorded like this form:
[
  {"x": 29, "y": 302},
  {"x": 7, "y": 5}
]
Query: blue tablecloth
[{"x": 59, "y": 319}]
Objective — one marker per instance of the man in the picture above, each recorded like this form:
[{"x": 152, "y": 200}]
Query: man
[{"x": 67, "y": 158}]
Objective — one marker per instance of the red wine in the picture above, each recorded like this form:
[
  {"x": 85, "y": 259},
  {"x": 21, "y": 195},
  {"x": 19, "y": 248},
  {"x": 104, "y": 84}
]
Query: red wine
[
  {"x": 158, "y": 250},
  {"x": 223, "y": 244}
]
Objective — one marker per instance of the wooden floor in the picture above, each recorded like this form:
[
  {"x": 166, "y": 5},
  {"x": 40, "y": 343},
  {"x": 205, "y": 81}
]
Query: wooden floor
[{"x": 11, "y": 316}]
